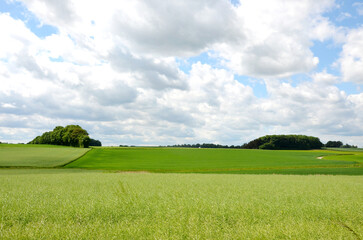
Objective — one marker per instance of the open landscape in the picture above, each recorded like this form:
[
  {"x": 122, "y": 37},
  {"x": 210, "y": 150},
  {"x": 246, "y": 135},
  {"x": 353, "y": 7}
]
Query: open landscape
[
  {"x": 192, "y": 119},
  {"x": 157, "y": 193}
]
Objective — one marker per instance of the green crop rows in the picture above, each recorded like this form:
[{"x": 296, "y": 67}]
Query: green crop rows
[
  {"x": 12, "y": 155},
  {"x": 221, "y": 161},
  {"x": 127, "y": 199},
  {"x": 74, "y": 204}
]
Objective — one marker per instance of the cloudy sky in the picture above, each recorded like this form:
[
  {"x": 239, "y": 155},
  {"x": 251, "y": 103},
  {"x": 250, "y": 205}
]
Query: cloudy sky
[{"x": 156, "y": 72}]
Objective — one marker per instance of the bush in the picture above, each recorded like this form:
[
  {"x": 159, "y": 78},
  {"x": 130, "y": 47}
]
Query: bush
[{"x": 71, "y": 135}]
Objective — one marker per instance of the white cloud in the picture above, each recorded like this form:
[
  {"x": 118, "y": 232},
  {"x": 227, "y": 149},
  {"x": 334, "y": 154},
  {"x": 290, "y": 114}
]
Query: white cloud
[
  {"x": 112, "y": 69},
  {"x": 164, "y": 28},
  {"x": 15, "y": 37},
  {"x": 325, "y": 78},
  {"x": 351, "y": 59},
  {"x": 258, "y": 38},
  {"x": 175, "y": 27},
  {"x": 52, "y": 11},
  {"x": 278, "y": 36},
  {"x": 313, "y": 107}
]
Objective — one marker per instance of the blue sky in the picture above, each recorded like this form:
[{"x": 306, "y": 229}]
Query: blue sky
[
  {"x": 140, "y": 74},
  {"x": 17, "y": 10}
]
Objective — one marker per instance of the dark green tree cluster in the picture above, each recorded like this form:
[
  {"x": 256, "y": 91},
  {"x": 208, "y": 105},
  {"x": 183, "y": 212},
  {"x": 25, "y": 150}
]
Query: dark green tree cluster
[
  {"x": 71, "y": 135},
  {"x": 334, "y": 144},
  {"x": 284, "y": 142},
  {"x": 95, "y": 143},
  {"x": 338, "y": 144}
]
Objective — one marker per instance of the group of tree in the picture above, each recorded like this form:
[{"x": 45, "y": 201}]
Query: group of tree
[
  {"x": 71, "y": 135},
  {"x": 338, "y": 144},
  {"x": 95, "y": 143},
  {"x": 285, "y": 142}
]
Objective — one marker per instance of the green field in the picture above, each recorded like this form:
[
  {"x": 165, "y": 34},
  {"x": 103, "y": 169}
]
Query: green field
[
  {"x": 127, "y": 199},
  {"x": 221, "y": 161},
  {"x": 184, "y": 160},
  {"x": 18, "y": 155},
  {"x": 76, "y": 204}
]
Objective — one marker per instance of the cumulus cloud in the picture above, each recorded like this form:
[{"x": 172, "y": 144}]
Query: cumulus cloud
[
  {"x": 351, "y": 59},
  {"x": 52, "y": 11},
  {"x": 15, "y": 37},
  {"x": 175, "y": 28},
  {"x": 151, "y": 72},
  {"x": 325, "y": 78},
  {"x": 156, "y": 27},
  {"x": 116, "y": 95},
  {"x": 278, "y": 36},
  {"x": 112, "y": 69},
  {"x": 311, "y": 108}
]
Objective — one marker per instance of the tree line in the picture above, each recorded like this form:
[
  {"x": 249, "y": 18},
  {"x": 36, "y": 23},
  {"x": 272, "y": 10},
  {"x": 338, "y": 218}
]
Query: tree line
[
  {"x": 285, "y": 142},
  {"x": 204, "y": 145},
  {"x": 71, "y": 135},
  {"x": 338, "y": 144},
  {"x": 275, "y": 142}
]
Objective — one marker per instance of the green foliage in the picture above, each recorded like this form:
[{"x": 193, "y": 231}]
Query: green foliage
[
  {"x": 71, "y": 135},
  {"x": 268, "y": 145},
  {"x": 285, "y": 142},
  {"x": 95, "y": 143},
  {"x": 348, "y": 146},
  {"x": 334, "y": 144},
  {"x": 73, "y": 204},
  {"x": 218, "y": 161},
  {"x": 338, "y": 144}
]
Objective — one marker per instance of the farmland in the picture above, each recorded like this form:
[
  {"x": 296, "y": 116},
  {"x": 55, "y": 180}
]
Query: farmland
[
  {"x": 14, "y": 155},
  {"x": 78, "y": 204},
  {"x": 145, "y": 193},
  {"x": 221, "y": 161}
]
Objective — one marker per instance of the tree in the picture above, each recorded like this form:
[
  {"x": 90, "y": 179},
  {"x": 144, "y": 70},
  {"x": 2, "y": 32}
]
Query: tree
[
  {"x": 95, "y": 143},
  {"x": 301, "y": 142},
  {"x": 71, "y": 135},
  {"x": 334, "y": 144}
]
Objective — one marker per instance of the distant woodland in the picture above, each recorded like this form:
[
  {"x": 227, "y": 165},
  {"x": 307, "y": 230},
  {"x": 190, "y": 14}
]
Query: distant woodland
[
  {"x": 76, "y": 136},
  {"x": 272, "y": 142},
  {"x": 285, "y": 142}
]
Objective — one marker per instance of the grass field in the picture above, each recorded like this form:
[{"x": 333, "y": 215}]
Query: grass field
[
  {"x": 221, "y": 161},
  {"x": 76, "y": 204},
  {"x": 19, "y": 155}
]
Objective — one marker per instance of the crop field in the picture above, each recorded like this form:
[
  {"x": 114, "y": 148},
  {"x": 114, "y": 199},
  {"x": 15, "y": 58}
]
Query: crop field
[
  {"x": 76, "y": 204},
  {"x": 18, "y": 155},
  {"x": 189, "y": 160},
  {"x": 145, "y": 193}
]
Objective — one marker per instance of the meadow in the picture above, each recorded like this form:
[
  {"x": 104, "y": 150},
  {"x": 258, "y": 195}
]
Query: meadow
[
  {"x": 81, "y": 204},
  {"x": 189, "y": 160},
  {"x": 159, "y": 193},
  {"x": 23, "y": 155}
]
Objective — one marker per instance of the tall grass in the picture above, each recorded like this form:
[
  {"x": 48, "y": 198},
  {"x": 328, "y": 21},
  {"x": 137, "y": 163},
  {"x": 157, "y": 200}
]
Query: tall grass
[{"x": 74, "y": 204}]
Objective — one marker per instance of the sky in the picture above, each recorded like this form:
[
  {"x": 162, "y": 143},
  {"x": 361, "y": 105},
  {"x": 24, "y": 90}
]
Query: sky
[{"x": 161, "y": 72}]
